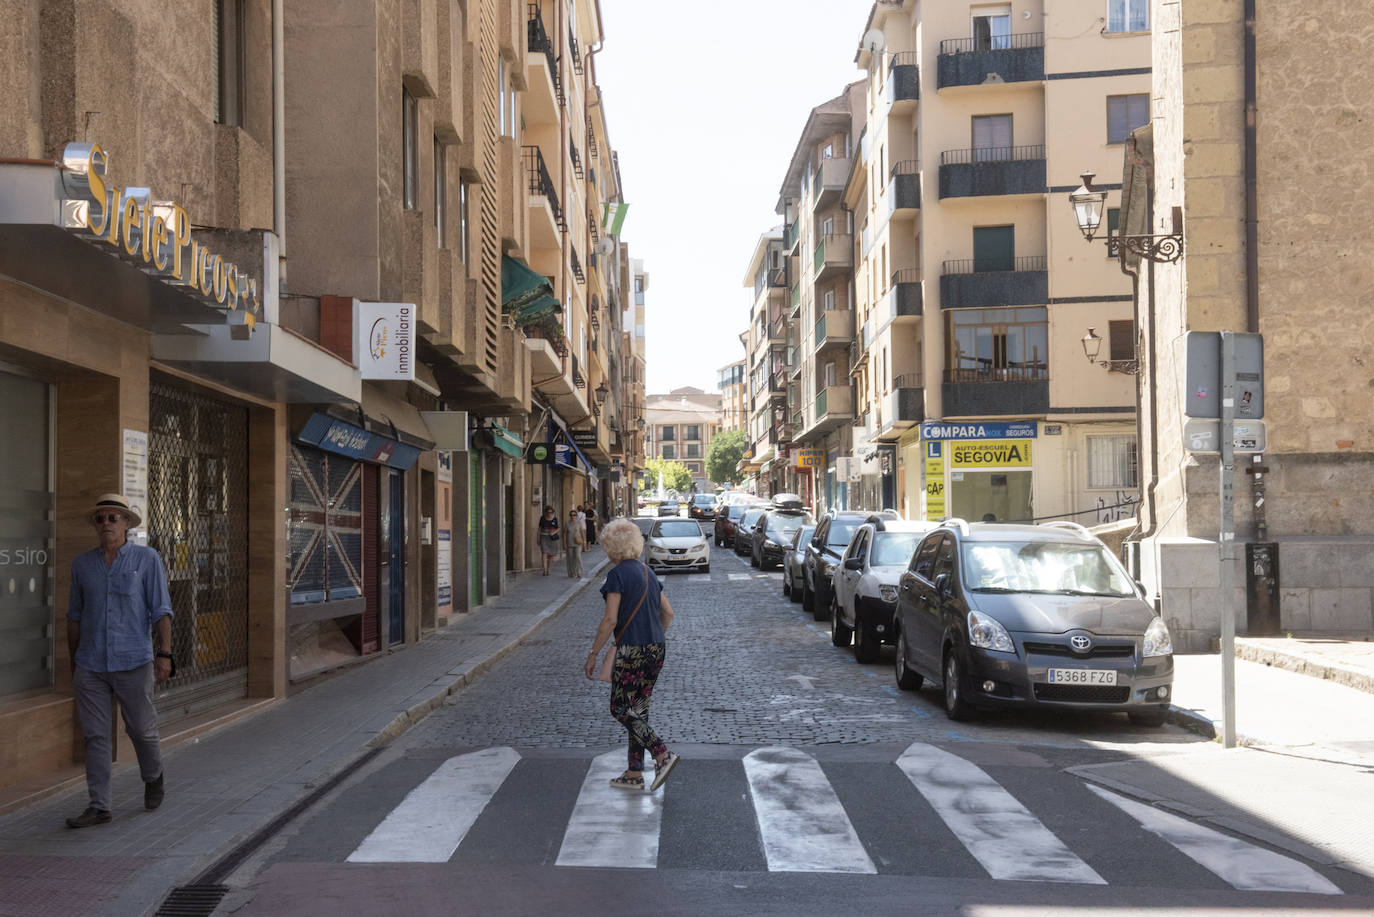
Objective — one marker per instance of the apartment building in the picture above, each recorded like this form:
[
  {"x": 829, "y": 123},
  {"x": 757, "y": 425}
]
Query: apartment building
[
  {"x": 298, "y": 268},
  {"x": 818, "y": 241},
  {"x": 1280, "y": 261},
  {"x": 766, "y": 366},
  {"x": 679, "y": 427},
  {"x": 973, "y": 289},
  {"x": 734, "y": 396}
]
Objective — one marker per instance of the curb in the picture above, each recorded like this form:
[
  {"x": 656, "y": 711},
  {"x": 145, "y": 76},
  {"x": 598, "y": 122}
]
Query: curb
[{"x": 1306, "y": 664}]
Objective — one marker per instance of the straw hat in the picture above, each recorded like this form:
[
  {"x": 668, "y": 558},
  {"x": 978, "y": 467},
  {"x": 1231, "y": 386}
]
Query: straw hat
[{"x": 114, "y": 501}]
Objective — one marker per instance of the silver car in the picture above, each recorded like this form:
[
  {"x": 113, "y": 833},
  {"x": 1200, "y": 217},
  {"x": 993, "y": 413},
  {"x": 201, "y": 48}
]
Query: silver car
[
  {"x": 864, "y": 596},
  {"x": 677, "y": 544},
  {"x": 792, "y": 560}
]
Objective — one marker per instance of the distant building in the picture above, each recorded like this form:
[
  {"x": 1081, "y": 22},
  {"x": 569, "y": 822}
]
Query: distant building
[{"x": 681, "y": 425}]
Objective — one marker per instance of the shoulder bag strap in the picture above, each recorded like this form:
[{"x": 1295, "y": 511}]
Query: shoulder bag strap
[{"x": 642, "y": 597}]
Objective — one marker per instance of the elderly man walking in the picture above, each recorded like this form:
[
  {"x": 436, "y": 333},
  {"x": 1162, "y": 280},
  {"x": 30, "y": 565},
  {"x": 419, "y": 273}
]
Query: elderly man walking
[{"x": 119, "y": 601}]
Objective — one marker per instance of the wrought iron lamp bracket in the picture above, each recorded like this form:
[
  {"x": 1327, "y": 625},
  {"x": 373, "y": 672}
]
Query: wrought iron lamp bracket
[{"x": 1160, "y": 249}]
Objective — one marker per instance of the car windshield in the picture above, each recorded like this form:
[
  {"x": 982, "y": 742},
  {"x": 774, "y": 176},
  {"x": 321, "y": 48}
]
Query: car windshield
[
  {"x": 683, "y": 529},
  {"x": 894, "y": 549},
  {"x": 804, "y": 534},
  {"x": 738, "y": 510},
  {"x": 1043, "y": 566},
  {"x": 781, "y": 527},
  {"x": 841, "y": 533},
  {"x": 751, "y": 517},
  {"x": 704, "y": 500}
]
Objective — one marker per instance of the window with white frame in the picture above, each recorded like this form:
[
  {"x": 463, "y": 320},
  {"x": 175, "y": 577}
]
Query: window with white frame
[
  {"x": 1128, "y": 15},
  {"x": 1113, "y": 462}
]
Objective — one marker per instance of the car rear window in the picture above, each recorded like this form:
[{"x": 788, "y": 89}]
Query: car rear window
[{"x": 841, "y": 533}]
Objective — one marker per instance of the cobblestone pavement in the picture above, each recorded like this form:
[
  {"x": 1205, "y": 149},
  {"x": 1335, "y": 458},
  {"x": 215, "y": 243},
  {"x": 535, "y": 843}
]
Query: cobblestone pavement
[{"x": 745, "y": 667}]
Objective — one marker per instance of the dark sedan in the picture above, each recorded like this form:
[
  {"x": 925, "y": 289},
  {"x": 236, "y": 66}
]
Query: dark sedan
[
  {"x": 727, "y": 520},
  {"x": 1030, "y": 615},
  {"x": 744, "y": 530},
  {"x": 773, "y": 534},
  {"x": 702, "y": 506}
]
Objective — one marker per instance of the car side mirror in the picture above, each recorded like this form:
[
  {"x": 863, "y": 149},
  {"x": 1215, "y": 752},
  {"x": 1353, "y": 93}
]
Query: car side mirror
[
  {"x": 854, "y": 563},
  {"x": 943, "y": 587}
]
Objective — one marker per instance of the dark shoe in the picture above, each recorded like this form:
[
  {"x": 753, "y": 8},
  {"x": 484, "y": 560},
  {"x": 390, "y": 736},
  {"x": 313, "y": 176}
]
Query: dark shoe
[
  {"x": 92, "y": 816},
  {"x": 152, "y": 793}
]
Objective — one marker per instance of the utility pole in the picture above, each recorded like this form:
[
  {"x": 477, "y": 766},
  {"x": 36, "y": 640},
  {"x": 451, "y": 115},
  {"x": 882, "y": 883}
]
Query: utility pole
[{"x": 1227, "y": 542}]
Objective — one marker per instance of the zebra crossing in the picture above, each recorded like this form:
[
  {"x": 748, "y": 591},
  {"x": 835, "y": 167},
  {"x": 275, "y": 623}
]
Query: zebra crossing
[{"x": 802, "y": 824}]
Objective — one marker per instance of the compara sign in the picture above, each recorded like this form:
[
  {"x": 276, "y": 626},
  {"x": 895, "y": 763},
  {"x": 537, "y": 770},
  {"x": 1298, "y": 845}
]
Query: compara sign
[{"x": 385, "y": 346}]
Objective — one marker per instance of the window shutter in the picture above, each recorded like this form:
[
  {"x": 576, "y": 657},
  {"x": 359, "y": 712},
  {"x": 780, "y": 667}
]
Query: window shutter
[{"x": 1121, "y": 341}]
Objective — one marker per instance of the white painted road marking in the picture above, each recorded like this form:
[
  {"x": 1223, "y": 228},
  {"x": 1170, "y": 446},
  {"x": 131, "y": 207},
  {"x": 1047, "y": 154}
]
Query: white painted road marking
[
  {"x": 609, "y": 826},
  {"x": 1002, "y": 834},
  {"x": 1244, "y": 866},
  {"x": 739, "y": 577},
  {"x": 804, "y": 827},
  {"x": 433, "y": 819}
]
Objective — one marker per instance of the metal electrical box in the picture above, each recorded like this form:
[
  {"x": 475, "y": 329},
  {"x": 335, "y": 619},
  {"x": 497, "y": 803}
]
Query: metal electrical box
[{"x": 1202, "y": 395}]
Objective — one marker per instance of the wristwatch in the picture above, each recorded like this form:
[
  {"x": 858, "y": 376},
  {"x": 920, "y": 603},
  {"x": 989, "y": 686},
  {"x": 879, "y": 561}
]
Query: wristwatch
[{"x": 170, "y": 659}]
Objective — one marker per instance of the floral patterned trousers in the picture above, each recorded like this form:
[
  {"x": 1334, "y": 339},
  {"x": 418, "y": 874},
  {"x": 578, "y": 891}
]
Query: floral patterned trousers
[{"x": 632, "y": 684}]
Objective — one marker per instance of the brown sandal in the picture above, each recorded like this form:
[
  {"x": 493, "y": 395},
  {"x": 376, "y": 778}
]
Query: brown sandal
[{"x": 627, "y": 783}]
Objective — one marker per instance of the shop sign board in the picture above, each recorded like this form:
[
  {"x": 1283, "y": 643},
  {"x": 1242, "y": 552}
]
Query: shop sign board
[
  {"x": 935, "y": 481},
  {"x": 585, "y": 439},
  {"x": 809, "y": 458},
  {"x": 1004, "y": 453},
  {"x": 386, "y": 340},
  {"x": 155, "y": 235},
  {"x": 1018, "y": 429}
]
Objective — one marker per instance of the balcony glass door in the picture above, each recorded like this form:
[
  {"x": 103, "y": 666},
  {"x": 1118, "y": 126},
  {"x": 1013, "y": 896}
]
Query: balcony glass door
[
  {"x": 992, "y": 29},
  {"x": 991, "y": 138}
]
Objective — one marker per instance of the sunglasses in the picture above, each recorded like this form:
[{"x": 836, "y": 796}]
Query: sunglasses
[{"x": 107, "y": 517}]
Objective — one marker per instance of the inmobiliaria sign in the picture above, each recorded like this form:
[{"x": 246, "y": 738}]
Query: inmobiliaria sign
[{"x": 386, "y": 340}]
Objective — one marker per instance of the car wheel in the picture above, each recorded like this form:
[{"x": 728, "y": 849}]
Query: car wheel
[
  {"x": 808, "y": 597},
  {"x": 795, "y": 595},
  {"x": 753, "y": 561},
  {"x": 907, "y": 680},
  {"x": 839, "y": 634},
  {"x": 820, "y": 608},
  {"x": 866, "y": 642},
  {"x": 1150, "y": 718},
  {"x": 787, "y": 585},
  {"x": 706, "y": 569},
  {"x": 956, "y": 708}
]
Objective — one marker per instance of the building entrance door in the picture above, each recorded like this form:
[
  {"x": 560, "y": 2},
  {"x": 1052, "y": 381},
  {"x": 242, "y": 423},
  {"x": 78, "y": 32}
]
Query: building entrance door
[{"x": 396, "y": 557}]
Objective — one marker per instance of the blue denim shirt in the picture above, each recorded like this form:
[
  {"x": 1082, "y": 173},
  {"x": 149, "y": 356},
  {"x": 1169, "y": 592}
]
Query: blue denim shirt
[{"x": 117, "y": 606}]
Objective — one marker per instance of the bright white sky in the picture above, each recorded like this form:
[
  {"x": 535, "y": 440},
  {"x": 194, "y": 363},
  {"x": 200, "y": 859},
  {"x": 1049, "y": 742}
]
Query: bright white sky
[{"x": 705, "y": 102}]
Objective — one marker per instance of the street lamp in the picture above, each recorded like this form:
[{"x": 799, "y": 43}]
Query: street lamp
[
  {"x": 601, "y": 392},
  {"x": 1092, "y": 346},
  {"x": 1087, "y": 211}
]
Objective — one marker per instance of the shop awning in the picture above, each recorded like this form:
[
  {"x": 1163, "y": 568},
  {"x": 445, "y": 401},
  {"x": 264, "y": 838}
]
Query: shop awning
[
  {"x": 402, "y": 416},
  {"x": 507, "y": 441},
  {"x": 343, "y": 438},
  {"x": 526, "y": 294},
  {"x": 558, "y": 432}
]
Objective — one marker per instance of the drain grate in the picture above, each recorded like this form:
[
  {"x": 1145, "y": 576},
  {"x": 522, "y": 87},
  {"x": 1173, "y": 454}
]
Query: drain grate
[{"x": 192, "y": 901}]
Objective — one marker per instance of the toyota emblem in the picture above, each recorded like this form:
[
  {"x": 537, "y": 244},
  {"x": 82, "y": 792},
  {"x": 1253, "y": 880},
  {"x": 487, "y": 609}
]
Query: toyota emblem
[{"x": 1080, "y": 643}]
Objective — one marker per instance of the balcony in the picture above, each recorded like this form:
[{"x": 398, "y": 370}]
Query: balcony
[
  {"x": 974, "y": 282},
  {"x": 904, "y": 189},
  {"x": 987, "y": 171},
  {"x": 834, "y": 255},
  {"x": 545, "y": 94},
  {"x": 546, "y": 220},
  {"x": 903, "y": 82},
  {"x": 796, "y": 296},
  {"x": 790, "y": 234},
  {"x": 829, "y": 182},
  {"x": 576, "y": 265},
  {"x": 833, "y": 406},
  {"x": 904, "y": 297},
  {"x": 904, "y": 406},
  {"x": 991, "y": 60},
  {"x": 834, "y": 329}
]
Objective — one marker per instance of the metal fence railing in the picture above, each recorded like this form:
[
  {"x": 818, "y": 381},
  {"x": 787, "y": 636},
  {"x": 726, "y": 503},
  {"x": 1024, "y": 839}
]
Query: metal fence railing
[
  {"x": 993, "y": 43},
  {"x": 993, "y": 154},
  {"x": 986, "y": 265}
]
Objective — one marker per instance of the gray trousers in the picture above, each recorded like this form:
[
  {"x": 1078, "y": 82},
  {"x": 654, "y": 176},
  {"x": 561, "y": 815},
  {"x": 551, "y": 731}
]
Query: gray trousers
[{"x": 134, "y": 690}]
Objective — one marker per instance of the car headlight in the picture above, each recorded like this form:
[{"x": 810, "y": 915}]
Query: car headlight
[
  {"x": 988, "y": 633},
  {"x": 1157, "y": 642},
  {"x": 655, "y": 549},
  {"x": 697, "y": 549},
  {"x": 888, "y": 592}
]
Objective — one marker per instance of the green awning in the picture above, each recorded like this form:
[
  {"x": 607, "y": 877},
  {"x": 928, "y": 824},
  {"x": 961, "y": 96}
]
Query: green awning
[
  {"x": 507, "y": 441},
  {"x": 526, "y": 294}
]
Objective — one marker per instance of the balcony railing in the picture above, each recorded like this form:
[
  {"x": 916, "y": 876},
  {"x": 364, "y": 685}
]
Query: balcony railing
[
  {"x": 1010, "y": 58},
  {"x": 576, "y": 265},
  {"x": 983, "y": 171},
  {"x": 997, "y": 281},
  {"x": 904, "y": 83},
  {"x": 834, "y": 251},
  {"x": 555, "y": 337},
  {"x": 789, "y": 235},
  {"x": 539, "y": 182},
  {"x": 988, "y": 265},
  {"x": 576, "y": 55},
  {"x": 576, "y": 159},
  {"x": 591, "y": 139},
  {"x": 992, "y": 154},
  {"x": 905, "y": 298},
  {"x": 969, "y": 368},
  {"x": 577, "y": 373},
  {"x": 796, "y": 294},
  {"x": 904, "y": 187},
  {"x": 538, "y": 41}
]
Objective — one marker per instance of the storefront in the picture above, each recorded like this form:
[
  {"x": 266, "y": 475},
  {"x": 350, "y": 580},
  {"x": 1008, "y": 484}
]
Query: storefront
[{"x": 979, "y": 471}]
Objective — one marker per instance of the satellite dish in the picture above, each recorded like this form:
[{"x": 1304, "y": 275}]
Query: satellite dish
[
  {"x": 606, "y": 246},
  {"x": 874, "y": 41}
]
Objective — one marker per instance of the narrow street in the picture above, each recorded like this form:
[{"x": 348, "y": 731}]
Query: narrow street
[{"x": 809, "y": 784}]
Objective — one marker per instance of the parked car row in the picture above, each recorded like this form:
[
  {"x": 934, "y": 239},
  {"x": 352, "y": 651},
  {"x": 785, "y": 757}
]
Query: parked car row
[{"x": 999, "y": 616}]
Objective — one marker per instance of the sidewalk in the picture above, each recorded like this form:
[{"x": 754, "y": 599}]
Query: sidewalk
[{"x": 226, "y": 786}]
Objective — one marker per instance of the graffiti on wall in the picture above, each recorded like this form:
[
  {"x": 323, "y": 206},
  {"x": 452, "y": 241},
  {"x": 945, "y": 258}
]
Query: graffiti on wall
[{"x": 1121, "y": 506}]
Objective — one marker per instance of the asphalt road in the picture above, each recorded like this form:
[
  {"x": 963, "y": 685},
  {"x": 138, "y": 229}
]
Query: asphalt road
[{"x": 809, "y": 785}]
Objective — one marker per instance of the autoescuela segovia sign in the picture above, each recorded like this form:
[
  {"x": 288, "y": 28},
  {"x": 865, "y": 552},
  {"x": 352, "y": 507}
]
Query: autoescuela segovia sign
[{"x": 157, "y": 234}]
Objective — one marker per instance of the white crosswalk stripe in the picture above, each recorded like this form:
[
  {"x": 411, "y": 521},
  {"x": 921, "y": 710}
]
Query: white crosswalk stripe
[
  {"x": 610, "y": 826},
  {"x": 1244, "y": 866},
  {"x": 803, "y": 824},
  {"x": 740, "y": 577},
  {"x": 1002, "y": 834},
  {"x": 433, "y": 819}
]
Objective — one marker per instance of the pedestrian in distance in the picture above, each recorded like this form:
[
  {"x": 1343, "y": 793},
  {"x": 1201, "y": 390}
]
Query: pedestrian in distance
[
  {"x": 572, "y": 545},
  {"x": 548, "y": 537},
  {"x": 119, "y": 639},
  {"x": 591, "y": 526},
  {"x": 637, "y": 614},
  {"x": 582, "y": 521}
]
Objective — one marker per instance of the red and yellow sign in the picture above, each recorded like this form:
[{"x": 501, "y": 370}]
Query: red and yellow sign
[{"x": 809, "y": 458}]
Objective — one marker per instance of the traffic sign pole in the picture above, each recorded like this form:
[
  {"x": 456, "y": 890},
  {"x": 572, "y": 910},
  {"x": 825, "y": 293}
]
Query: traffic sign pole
[{"x": 1227, "y": 542}]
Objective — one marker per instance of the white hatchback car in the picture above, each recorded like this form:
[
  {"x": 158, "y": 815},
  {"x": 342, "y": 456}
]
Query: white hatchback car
[
  {"x": 677, "y": 544},
  {"x": 865, "y": 581}
]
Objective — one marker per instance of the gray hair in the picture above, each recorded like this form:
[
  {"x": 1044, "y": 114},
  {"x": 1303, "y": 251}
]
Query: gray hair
[{"x": 622, "y": 540}]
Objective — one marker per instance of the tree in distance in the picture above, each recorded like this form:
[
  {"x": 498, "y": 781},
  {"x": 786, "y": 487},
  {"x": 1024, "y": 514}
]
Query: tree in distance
[
  {"x": 723, "y": 457},
  {"x": 676, "y": 476}
]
